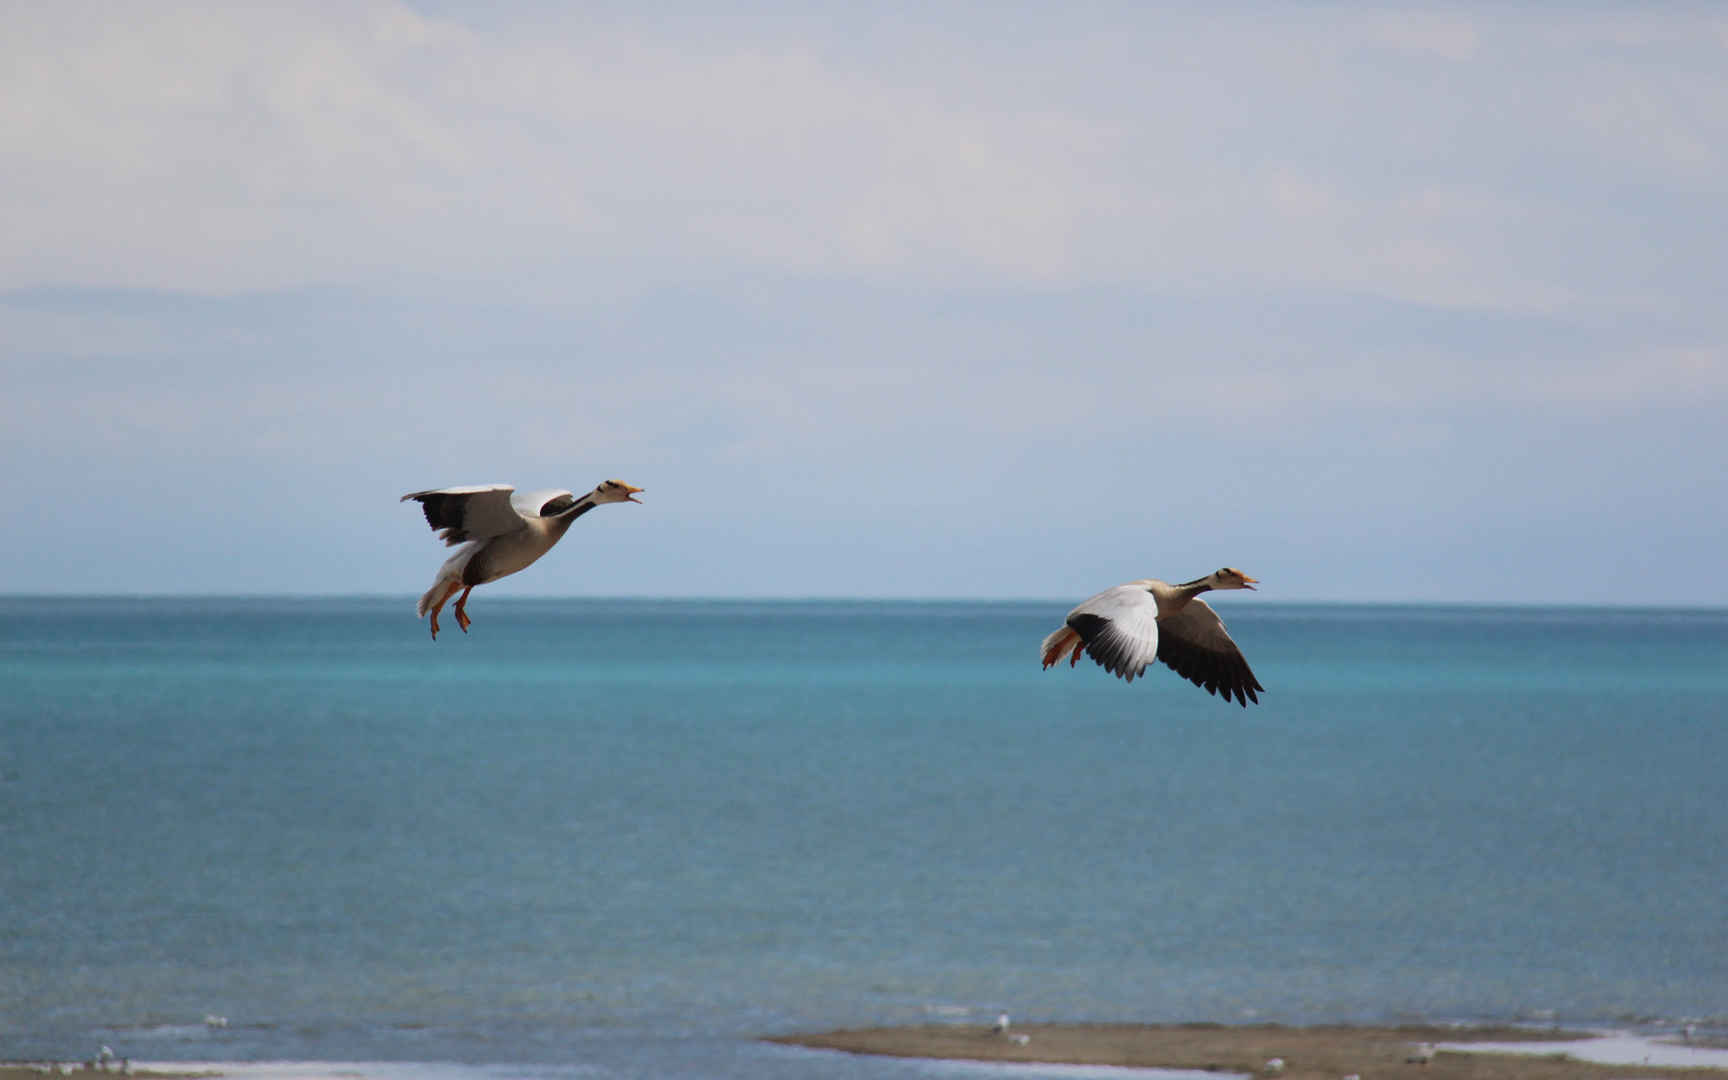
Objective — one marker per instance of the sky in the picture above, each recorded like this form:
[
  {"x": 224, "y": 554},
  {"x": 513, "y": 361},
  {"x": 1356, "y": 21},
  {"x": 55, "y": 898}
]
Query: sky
[{"x": 972, "y": 300}]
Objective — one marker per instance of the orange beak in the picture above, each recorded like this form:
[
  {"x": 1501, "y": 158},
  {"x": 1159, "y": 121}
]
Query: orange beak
[
  {"x": 630, "y": 494},
  {"x": 1250, "y": 582}
]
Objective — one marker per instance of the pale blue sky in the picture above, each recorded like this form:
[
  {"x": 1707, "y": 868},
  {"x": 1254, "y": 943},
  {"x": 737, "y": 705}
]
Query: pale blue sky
[{"x": 978, "y": 300}]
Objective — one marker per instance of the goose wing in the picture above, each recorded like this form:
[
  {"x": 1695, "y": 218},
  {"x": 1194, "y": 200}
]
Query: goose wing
[
  {"x": 478, "y": 512},
  {"x": 1196, "y": 646},
  {"x": 1120, "y": 629}
]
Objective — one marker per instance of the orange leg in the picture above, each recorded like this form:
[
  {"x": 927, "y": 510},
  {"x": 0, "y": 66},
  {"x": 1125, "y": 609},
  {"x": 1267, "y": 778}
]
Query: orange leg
[
  {"x": 1052, "y": 653},
  {"x": 439, "y": 606},
  {"x": 1058, "y": 643},
  {"x": 461, "y": 609},
  {"x": 1079, "y": 647}
]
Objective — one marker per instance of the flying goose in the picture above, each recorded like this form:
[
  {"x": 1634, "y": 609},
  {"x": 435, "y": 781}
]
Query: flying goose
[
  {"x": 500, "y": 533},
  {"x": 1130, "y": 626}
]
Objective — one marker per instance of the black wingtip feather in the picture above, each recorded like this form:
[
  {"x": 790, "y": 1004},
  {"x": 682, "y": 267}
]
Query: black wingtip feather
[{"x": 1221, "y": 675}]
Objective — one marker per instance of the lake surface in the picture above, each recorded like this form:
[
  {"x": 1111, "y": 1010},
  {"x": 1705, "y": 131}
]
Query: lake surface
[{"x": 627, "y": 837}]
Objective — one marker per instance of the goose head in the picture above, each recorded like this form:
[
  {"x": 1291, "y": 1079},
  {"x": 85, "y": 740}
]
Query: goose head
[
  {"x": 1231, "y": 578},
  {"x": 616, "y": 491}
]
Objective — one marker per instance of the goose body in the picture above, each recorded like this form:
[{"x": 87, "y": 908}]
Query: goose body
[
  {"x": 497, "y": 532},
  {"x": 1129, "y": 627}
]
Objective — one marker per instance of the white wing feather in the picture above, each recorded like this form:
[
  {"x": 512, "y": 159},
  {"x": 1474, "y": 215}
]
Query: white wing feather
[
  {"x": 528, "y": 503},
  {"x": 1120, "y": 628}
]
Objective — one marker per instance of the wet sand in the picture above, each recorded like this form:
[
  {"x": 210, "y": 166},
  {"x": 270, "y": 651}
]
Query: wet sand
[
  {"x": 1308, "y": 1053},
  {"x": 38, "y": 1072}
]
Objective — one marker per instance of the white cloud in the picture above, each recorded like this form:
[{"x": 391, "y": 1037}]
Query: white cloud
[
  {"x": 854, "y": 287},
  {"x": 753, "y": 375},
  {"x": 1445, "y": 158},
  {"x": 1448, "y": 35}
]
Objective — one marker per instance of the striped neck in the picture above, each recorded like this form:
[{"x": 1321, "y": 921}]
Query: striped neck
[{"x": 579, "y": 507}]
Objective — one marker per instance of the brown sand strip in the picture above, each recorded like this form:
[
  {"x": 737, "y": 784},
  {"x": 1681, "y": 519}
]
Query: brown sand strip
[
  {"x": 1308, "y": 1053},
  {"x": 37, "y": 1072}
]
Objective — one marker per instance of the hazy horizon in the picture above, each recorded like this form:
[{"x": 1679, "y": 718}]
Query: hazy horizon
[{"x": 1231, "y": 609}]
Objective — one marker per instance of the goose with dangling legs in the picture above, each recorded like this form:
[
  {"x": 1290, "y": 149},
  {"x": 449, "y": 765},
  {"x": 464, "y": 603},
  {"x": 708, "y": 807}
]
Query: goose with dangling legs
[{"x": 500, "y": 531}]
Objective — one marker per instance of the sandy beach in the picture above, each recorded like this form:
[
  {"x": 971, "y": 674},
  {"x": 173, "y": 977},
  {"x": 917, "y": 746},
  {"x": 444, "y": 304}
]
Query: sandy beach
[
  {"x": 1307, "y": 1053},
  {"x": 1327, "y": 1052},
  {"x": 37, "y": 1072}
]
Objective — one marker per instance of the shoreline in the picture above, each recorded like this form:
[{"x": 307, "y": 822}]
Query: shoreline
[
  {"x": 1202, "y": 1051},
  {"x": 1322, "y": 1052},
  {"x": 36, "y": 1070}
]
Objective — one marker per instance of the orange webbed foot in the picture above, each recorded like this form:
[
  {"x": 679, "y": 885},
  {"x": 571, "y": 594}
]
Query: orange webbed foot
[{"x": 439, "y": 606}]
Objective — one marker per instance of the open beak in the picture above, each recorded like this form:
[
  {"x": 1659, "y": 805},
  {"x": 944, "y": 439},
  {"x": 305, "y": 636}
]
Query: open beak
[
  {"x": 630, "y": 494},
  {"x": 1249, "y": 582}
]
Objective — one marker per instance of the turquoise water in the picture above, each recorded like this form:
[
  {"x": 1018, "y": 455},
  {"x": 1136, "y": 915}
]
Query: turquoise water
[{"x": 628, "y": 837}]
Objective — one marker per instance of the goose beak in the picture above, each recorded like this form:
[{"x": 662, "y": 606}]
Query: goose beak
[
  {"x": 1249, "y": 583},
  {"x": 630, "y": 494}
]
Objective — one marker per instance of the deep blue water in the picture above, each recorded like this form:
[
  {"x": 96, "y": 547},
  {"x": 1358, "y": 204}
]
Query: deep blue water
[{"x": 635, "y": 835}]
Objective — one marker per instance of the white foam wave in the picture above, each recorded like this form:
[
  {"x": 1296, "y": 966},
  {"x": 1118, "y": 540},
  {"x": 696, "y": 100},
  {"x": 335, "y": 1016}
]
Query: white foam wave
[
  {"x": 162, "y": 1031},
  {"x": 1611, "y": 1048}
]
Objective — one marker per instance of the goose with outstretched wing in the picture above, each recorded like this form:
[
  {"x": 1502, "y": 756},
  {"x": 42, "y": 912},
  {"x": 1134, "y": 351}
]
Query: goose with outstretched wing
[
  {"x": 500, "y": 532},
  {"x": 1128, "y": 627}
]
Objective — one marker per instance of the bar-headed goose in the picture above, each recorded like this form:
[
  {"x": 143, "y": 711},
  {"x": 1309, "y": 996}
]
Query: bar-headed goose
[
  {"x": 500, "y": 533},
  {"x": 1130, "y": 626}
]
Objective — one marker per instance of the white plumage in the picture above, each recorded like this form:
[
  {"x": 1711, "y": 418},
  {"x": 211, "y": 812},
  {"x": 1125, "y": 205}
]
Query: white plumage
[
  {"x": 499, "y": 533},
  {"x": 1127, "y": 628}
]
